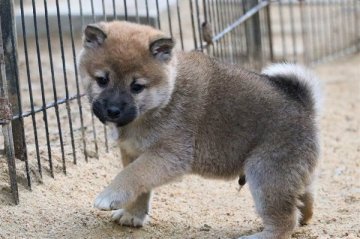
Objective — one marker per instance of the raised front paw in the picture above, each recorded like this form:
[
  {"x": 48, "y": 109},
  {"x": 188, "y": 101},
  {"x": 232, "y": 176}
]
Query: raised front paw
[
  {"x": 111, "y": 199},
  {"x": 126, "y": 218}
]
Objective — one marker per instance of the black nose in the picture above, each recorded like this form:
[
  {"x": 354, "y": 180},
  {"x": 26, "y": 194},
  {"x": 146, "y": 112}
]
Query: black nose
[{"x": 113, "y": 112}]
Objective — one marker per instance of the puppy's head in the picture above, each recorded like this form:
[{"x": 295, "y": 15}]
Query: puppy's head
[{"x": 127, "y": 70}]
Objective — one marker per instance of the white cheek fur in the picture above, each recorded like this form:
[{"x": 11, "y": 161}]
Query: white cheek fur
[
  {"x": 95, "y": 90},
  {"x": 156, "y": 97}
]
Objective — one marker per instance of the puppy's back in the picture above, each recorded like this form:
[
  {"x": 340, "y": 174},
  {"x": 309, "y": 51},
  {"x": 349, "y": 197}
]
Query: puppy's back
[{"x": 239, "y": 110}]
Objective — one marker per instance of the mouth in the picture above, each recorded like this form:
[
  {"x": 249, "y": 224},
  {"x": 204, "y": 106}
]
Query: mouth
[{"x": 121, "y": 121}]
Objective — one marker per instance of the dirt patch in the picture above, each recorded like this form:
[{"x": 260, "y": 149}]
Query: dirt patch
[{"x": 195, "y": 207}]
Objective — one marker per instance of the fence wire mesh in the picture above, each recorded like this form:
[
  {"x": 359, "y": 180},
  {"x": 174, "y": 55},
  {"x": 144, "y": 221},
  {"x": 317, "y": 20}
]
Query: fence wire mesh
[{"x": 51, "y": 126}]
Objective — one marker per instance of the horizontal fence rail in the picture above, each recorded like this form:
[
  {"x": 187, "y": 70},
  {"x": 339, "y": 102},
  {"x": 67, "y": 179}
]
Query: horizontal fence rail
[{"x": 46, "y": 122}]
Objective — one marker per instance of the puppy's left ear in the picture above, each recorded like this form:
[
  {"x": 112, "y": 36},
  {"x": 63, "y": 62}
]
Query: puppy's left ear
[
  {"x": 161, "y": 48},
  {"x": 94, "y": 35}
]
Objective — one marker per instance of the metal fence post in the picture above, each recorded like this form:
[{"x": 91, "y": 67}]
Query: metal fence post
[
  {"x": 269, "y": 29},
  {"x": 5, "y": 121},
  {"x": 12, "y": 76},
  {"x": 253, "y": 34},
  {"x": 304, "y": 32},
  {"x": 357, "y": 25}
]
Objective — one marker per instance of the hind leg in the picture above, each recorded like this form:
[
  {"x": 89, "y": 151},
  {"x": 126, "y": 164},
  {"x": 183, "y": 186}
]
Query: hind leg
[
  {"x": 307, "y": 204},
  {"x": 275, "y": 189}
]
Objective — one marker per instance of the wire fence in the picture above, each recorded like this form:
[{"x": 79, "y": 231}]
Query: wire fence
[{"x": 47, "y": 124}]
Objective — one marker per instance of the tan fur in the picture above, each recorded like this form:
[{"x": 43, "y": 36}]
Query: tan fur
[{"x": 199, "y": 116}]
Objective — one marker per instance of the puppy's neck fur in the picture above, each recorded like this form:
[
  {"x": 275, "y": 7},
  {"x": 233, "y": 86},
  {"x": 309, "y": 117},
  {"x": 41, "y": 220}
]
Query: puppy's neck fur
[{"x": 172, "y": 75}]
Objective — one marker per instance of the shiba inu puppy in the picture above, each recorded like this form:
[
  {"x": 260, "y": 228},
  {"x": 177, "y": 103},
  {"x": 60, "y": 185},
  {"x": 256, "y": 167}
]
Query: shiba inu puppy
[{"x": 183, "y": 113}]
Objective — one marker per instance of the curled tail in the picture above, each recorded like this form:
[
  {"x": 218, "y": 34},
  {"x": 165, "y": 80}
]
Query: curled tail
[{"x": 297, "y": 82}]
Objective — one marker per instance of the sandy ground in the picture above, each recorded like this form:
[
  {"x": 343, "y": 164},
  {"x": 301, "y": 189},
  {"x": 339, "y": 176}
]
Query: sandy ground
[{"x": 196, "y": 207}]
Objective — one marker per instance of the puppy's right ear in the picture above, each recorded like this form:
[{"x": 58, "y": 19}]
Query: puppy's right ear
[
  {"x": 161, "y": 48},
  {"x": 94, "y": 36}
]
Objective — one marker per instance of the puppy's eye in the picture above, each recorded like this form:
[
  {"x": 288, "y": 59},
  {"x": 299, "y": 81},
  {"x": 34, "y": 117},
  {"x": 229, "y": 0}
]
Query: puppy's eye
[
  {"x": 136, "y": 88},
  {"x": 102, "y": 81}
]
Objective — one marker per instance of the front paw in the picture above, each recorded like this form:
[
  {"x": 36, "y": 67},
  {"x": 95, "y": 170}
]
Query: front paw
[
  {"x": 111, "y": 199},
  {"x": 126, "y": 218}
]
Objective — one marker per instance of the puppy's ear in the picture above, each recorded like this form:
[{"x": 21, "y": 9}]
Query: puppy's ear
[
  {"x": 161, "y": 48},
  {"x": 94, "y": 35}
]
